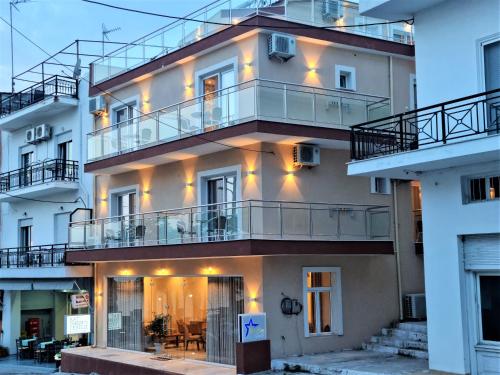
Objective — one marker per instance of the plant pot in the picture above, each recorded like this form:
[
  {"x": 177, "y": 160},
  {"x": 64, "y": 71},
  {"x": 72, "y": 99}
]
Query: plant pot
[{"x": 159, "y": 347}]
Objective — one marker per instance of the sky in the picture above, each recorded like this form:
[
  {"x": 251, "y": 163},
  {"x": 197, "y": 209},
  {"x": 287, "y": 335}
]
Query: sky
[{"x": 54, "y": 24}]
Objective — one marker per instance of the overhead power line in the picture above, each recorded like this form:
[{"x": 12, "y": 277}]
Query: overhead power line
[
  {"x": 409, "y": 21},
  {"x": 140, "y": 112}
]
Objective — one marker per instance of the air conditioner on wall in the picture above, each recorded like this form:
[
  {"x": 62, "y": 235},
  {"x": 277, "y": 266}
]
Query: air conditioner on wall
[
  {"x": 42, "y": 132},
  {"x": 306, "y": 155},
  {"x": 414, "y": 306},
  {"x": 281, "y": 46},
  {"x": 30, "y": 136},
  {"x": 97, "y": 105},
  {"x": 331, "y": 10}
]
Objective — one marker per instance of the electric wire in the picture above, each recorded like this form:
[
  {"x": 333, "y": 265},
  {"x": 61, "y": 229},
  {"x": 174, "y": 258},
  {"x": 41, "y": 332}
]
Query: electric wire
[{"x": 140, "y": 112}]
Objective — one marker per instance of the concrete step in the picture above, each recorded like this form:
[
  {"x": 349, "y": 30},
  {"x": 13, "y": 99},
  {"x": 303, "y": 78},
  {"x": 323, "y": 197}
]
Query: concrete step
[
  {"x": 414, "y": 353},
  {"x": 413, "y": 326},
  {"x": 398, "y": 342},
  {"x": 404, "y": 334}
]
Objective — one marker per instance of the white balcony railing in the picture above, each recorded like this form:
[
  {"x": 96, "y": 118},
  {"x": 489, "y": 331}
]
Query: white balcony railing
[
  {"x": 252, "y": 100},
  {"x": 249, "y": 219},
  {"x": 222, "y": 13}
]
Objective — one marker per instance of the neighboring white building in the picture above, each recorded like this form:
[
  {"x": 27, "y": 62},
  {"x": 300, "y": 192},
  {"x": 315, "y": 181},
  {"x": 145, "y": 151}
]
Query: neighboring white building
[
  {"x": 453, "y": 148},
  {"x": 42, "y": 182}
]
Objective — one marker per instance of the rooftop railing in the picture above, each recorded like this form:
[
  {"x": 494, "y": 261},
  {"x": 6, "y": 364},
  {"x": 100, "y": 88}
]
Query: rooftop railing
[
  {"x": 252, "y": 100},
  {"x": 53, "y": 86},
  {"x": 33, "y": 256},
  {"x": 464, "y": 118},
  {"x": 38, "y": 173},
  {"x": 249, "y": 219},
  {"x": 222, "y": 14}
]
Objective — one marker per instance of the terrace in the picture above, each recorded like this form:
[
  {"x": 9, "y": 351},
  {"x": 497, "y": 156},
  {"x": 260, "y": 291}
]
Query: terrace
[{"x": 222, "y": 14}]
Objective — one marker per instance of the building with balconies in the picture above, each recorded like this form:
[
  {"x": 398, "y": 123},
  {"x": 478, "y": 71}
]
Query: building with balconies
[
  {"x": 219, "y": 158},
  {"x": 451, "y": 145},
  {"x": 41, "y": 185}
]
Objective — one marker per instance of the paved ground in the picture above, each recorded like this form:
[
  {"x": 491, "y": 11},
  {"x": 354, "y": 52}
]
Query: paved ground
[{"x": 10, "y": 365}]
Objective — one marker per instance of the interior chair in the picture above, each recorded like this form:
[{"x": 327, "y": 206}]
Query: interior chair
[
  {"x": 193, "y": 334},
  {"x": 221, "y": 227}
]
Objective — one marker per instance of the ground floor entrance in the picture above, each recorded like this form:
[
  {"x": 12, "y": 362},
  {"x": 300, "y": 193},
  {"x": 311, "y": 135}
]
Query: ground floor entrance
[{"x": 191, "y": 317}]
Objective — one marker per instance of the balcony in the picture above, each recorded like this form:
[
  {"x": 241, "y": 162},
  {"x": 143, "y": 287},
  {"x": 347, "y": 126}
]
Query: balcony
[
  {"x": 33, "y": 256},
  {"x": 222, "y": 14},
  {"x": 33, "y": 104},
  {"x": 249, "y": 220},
  {"x": 38, "y": 179},
  {"x": 248, "y": 101}
]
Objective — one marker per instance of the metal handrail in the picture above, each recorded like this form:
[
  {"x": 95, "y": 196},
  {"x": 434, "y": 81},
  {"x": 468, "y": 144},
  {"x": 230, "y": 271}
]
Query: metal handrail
[
  {"x": 256, "y": 82},
  {"x": 52, "y": 86},
  {"x": 38, "y": 173},
  {"x": 33, "y": 256}
]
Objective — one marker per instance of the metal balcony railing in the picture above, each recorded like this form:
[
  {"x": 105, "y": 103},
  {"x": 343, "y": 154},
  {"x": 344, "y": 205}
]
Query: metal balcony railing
[
  {"x": 53, "y": 86},
  {"x": 252, "y": 100},
  {"x": 33, "y": 256},
  {"x": 38, "y": 173},
  {"x": 464, "y": 118},
  {"x": 248, "y": 219},
  {"x": 221, "y": 14}
]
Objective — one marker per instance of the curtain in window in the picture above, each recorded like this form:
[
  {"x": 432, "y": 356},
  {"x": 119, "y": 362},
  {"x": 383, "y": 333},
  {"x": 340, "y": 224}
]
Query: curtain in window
[
  {"x": 125, "y": 321},
  {"x": 225, "y": 302}
]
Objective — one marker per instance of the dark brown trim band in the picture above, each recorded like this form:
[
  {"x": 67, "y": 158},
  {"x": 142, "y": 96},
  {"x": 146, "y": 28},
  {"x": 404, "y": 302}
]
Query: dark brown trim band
[
  {"x": 267, "y": 127},
  {"x": 232, "y": 249},
  {"x": 222, "y": 36}
]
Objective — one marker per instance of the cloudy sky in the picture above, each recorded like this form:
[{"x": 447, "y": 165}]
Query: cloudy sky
[{"x": 54, "y": 24}]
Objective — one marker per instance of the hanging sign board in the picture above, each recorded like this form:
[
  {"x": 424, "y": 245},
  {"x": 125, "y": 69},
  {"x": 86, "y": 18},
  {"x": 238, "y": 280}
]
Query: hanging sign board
[
  {"x": 252, "y": 327},
  {"x": 114, "y": 321},
  {"x": 76, "y": 324},
  {"x": 79, "y": 301}
]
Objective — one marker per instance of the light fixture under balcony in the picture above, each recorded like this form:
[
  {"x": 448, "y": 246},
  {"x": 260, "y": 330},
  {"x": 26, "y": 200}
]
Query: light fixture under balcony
[
  {"x": 251, "y": 172},
  {"x": 189, "y": 184}
]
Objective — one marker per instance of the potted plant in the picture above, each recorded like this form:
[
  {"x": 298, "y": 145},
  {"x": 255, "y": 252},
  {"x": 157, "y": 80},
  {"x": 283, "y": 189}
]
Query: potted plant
[{"x": 159, "y": 328}]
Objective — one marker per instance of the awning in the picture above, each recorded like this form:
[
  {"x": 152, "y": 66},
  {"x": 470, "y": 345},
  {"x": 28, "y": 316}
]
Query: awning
[
  {"x": 16, "y": 284},
  {"x": 57, "y": 284},
  {"x": 54, "y": 285}
]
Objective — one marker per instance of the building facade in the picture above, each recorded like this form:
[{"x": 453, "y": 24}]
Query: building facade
[
  {"x": 451, "y": 145},
  {"x": 41, "y": 185},
  {"x": 219, "y": 166}
]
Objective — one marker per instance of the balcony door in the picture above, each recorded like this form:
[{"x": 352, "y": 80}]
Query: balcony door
[
  {"x": 26, "y": 172},
  {"x": 219, "y": 103},
  {"x": 221, "y": 206},
  {"x": 124, "y": 116},
  {"x": 65, "y": 168},
  {"x": 127, "y": 206},
  {"x": 492, "y": 81}
]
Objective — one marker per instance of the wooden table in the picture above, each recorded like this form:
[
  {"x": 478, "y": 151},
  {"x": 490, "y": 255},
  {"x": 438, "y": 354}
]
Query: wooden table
[{"x": 173, "y": 337}]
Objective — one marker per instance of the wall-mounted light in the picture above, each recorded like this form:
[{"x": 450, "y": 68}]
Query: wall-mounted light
[
  {"x": 251, "y": 172},
  {"x": 61, "y": 208},
  {"x": 312, "y": 70},
  {"x": 247, "y": 65},
  {"x": 492, "y": 193},
  {"x": 188, "y": 86},
  {"x": 189, "y": 184},
  {"x": 290, "y": 173},
  {"x": 146, "y": 192},
  {"x": 253, "y": 299},
  {"x": 99, "y": 294},
  {"x": 104, "y": 199}
]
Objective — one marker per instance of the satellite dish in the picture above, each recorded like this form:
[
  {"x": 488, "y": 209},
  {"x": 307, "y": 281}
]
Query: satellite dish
[{"x": 77, "y": 71}]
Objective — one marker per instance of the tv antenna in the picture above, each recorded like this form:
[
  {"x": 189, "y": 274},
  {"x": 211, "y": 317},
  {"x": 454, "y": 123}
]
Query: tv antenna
[
  {"x": 13, "y": 4},
  {"x": 105, "y": 33}
]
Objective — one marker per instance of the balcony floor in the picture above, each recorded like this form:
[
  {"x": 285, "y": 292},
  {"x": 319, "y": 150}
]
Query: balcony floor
[
  {"x": 37, "y": 113},
  {"x": 39, "y": 190},
  {"x": 57, "y": 272},
  {"x": 231, "y": 249}
]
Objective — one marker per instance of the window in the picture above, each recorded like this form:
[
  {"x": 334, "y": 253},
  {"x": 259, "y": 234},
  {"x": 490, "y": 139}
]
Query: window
[
  {"x": 345, "y": 77},
  {"x": 322, "y": 301},
  {"x": 65, "y": 150},
  {"x": 124, "y": 113},
  {"x": 480, "y": 189},
  {"x": 489, "y": 289},
  {"x": 25, "y": 226},
  {"x": 380, "y": 185},
  {"x": 492, "y": 65}
]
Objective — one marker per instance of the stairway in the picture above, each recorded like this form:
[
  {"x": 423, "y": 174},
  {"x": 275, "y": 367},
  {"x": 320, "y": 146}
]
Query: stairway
[{"x": 407, "y": 339}]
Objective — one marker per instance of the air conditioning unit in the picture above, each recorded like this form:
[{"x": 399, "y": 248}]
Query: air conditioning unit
[
  {"x": 42, "y": 132},
  {"x": 305, "y": 155},
  {"x": 281, "y": 46},
  {"x": 97, "y": 105},
  {"x": 332, "y": 10},
  {"x": 30, "y": 136},
  {"x": 414, "y": 305}
]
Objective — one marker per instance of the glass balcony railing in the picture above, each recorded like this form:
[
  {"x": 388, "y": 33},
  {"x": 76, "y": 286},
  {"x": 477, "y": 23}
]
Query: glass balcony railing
[
  {"x": 252, "y": 100},
  {"x": 33, "y": 256},
  {"x": 250, "y": 219},
  {"x": 223, "y": 13}
]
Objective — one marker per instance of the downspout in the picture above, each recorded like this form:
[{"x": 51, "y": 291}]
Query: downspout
[{"x": 396, "y": 247}]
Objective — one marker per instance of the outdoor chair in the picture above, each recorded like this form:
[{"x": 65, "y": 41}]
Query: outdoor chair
[{"x": 22, "y": 352}]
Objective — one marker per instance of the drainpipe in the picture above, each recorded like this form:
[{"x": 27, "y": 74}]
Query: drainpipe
[{"x": 396, "y": 247}]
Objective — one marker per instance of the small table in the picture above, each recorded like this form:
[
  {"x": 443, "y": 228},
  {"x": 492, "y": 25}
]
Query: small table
[
  {"x": 26, "y": 342},
  {"x": 173, "y": 337},
  {"x": 43, "y": 344}
]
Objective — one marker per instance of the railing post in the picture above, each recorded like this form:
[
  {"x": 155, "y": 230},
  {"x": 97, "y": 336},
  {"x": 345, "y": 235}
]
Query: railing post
[
  {"x": 443, "y": 124},
  {"x": 310, "y": 221},
  {"x": 281, "y": 219},
  {"x": 51, "y": 256},
  {"x": 56, "y": 89},
  {"x": 249, "y": 219},
  {"x": 401, "y": 133}
]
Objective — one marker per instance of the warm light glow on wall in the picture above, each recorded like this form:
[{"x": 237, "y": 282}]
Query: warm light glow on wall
[
  {"x": 104, "y": 119},
  {"x": 209, "y": 271},
  {"x": 236, "y": 21},
  {"x": 125, "y": 272},
  {"x": 163, "y": 272}
]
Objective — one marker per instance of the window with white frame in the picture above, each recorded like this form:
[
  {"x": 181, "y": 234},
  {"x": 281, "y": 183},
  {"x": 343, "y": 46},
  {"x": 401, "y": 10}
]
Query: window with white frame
[
  {"x": 345, "y": 77},
  {"x": 380, "y": 185},
  {"x": 322, "y": 301},
  {"x": 481, "y": 188}
]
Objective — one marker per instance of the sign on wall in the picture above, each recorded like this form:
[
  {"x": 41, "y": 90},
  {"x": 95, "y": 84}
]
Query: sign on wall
[
  {"x": 252, "y": 327},
  {"x": 79, "y": 301},
  {"x": 114, "y": 321},
  {"x": 76, "y": 324}
]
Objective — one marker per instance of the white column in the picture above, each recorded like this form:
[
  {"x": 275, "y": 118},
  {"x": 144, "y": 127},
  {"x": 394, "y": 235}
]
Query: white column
[{"x": 11, "y": 319}]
